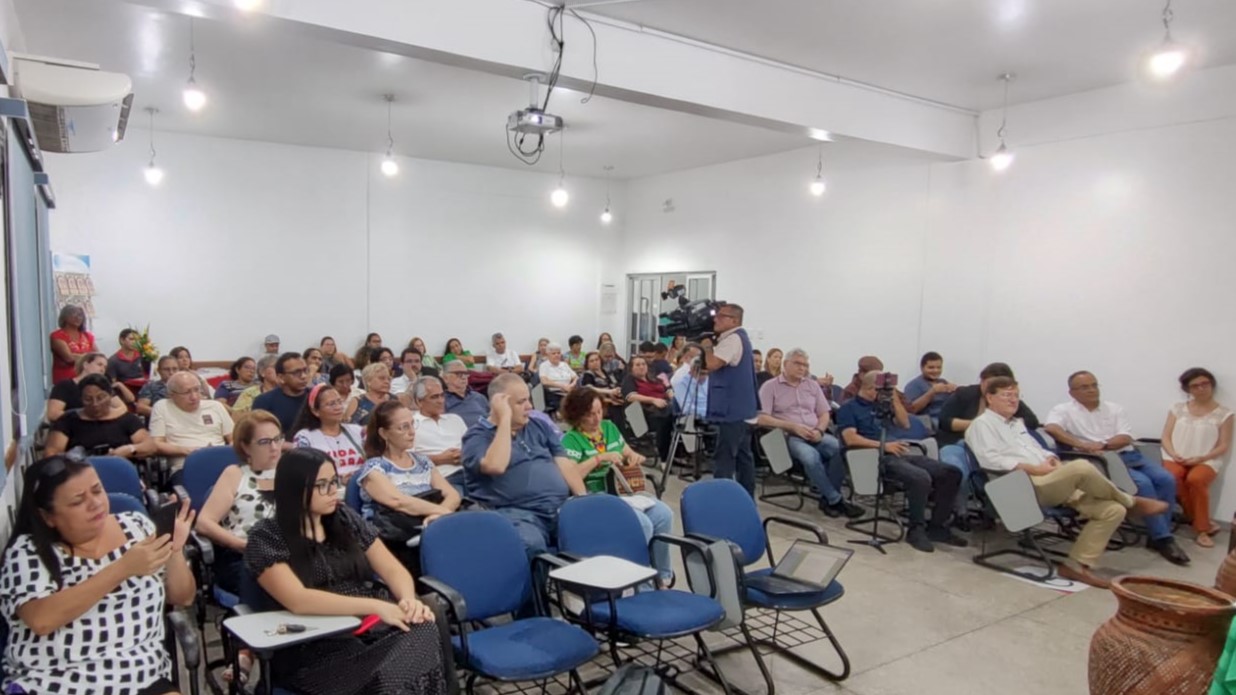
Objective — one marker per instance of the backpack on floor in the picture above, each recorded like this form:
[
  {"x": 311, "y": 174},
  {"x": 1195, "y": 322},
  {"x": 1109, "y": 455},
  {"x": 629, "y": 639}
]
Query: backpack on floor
[{"x": 633, "y": 679}]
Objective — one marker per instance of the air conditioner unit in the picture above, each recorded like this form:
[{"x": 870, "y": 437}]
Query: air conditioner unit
[{"x": 75, "y": 107}]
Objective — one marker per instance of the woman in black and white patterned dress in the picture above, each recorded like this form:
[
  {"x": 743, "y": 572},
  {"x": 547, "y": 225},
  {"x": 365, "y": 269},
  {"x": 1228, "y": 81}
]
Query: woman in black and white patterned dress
[
  {"x": 83, "y": 590},
  {"x": 318, "y": 557}
]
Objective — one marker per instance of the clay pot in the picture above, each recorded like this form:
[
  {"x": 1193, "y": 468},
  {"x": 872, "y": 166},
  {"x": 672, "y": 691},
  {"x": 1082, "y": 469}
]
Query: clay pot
[
  {"x": 1225, "y": 581},
  {"x": 1165, "y": 638}
]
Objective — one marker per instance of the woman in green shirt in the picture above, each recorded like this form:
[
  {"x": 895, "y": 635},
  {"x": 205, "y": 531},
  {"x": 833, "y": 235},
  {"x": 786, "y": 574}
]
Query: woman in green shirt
[
  {"x": 596, "y": 444},
  {"x": 455, "y": 351}
]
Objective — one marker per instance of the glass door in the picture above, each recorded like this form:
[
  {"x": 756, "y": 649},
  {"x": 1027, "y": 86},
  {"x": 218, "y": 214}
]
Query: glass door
[{"x": 646, "y": 306}]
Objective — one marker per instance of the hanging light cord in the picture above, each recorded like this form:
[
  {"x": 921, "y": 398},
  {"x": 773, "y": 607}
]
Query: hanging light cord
[
  {"x": 561, "y": 149},
  {"x": 152, "y": 146},
  {"x": 192, "y": 52},
  {"x": 609, "y": 172},
  {"x": 819, "y": 163},
  {"x": 1168, "y": 16},
  {"x": 1004, "y": 112},
  {"x": 390, "y": 139}
]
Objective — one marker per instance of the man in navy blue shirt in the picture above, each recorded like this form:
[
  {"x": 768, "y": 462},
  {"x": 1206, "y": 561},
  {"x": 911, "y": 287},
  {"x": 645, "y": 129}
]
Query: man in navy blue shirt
[
  {"x": 286, "y": 401},
  {"x": 515, "y": 465},
  {"x": 922, "y": 477},
  {"x": 460, "y": 399}
]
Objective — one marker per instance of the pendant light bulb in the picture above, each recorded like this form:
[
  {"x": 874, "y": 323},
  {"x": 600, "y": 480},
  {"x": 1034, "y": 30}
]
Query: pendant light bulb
[
  {"x": 193, "y": 96},
  {"x": 154, "y": 175},
  {"x": 560, "y": 197},
  {"x": 389, "y": 166},
  {"x": 606, "y": 216},
  {"x": 818, "y": 185},
  {"x": 1002, "y": 159},
  {"x": 1166, "y": 61}
]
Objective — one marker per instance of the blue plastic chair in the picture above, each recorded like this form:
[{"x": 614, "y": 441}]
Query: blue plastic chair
[
  {"x": 118, "y": 475},
  {"x": 352, "y": 496},
  {"x": 121, "y": 502},
  {"x": 722, "y": 510},
  {"x": 605, "y": 525},
  {"x": 202, "y": 468},
  {"x": 476, "y": 563}
]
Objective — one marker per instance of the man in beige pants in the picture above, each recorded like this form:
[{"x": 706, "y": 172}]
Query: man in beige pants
[{"x": 1001, "y": 444}]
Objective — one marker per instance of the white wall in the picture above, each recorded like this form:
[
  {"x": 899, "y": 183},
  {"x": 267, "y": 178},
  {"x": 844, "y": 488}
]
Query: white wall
[
  {"x": 246, "y": 238},
  {"x": 1109, "y": 252}
]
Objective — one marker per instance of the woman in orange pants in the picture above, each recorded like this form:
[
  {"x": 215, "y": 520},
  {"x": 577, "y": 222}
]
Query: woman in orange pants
[{"x": 1196, "y": 439}]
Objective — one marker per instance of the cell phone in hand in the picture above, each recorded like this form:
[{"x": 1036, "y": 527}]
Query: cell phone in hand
[{"x": 164, "y": 517}]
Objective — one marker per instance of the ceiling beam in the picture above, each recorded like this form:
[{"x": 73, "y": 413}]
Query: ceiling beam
[{"x": 634, "y": 64}]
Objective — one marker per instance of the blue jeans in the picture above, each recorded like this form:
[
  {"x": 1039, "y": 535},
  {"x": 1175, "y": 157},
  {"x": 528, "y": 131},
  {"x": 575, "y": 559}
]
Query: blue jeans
[
  {"x": 1153, "y": 481},
  {"x": 658, "y": 518},
  {"x": 536, "y": 531},
  {"x": 955, "y": 456},
  {"x": 821, "y": 463}
]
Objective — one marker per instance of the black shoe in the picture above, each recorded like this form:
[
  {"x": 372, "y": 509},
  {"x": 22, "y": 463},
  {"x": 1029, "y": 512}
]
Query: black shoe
[
  {"x": 917, "y": 538},
  {"x": 1170, "y": 551},
  {"x": 842, "y": 508},
  {"x": 961, "y": 522},
  {"x": 831, "y": 511},
  {"x": 947, "y": 537}
]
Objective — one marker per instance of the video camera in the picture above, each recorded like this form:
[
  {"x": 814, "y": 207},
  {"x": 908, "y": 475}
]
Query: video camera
[
  {"x": 886, "y": 391},
  {"x": 692, "y": 320}
]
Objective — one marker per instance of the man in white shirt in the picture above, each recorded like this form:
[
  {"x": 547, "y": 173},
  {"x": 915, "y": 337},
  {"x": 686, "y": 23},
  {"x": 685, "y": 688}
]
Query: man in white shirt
[
  {"x": 1089, "y": 424},
  {"x": 499, "y": 359},
  {"x": 1001, "y": 443},
  {"x": 439, "y": 434},
  {"x": 183, "y": 422}
]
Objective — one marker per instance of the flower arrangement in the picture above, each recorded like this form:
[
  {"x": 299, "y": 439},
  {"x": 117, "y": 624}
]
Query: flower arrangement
[{"x": 148, "y": 350}]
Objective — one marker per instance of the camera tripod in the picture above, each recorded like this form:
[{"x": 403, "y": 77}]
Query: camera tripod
[
  {"x": 691, "y": 406},
  {"x": 875, "y": 540}
]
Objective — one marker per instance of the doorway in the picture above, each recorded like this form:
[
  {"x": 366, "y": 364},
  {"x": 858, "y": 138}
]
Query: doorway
[{"x": 645, "y": 304}]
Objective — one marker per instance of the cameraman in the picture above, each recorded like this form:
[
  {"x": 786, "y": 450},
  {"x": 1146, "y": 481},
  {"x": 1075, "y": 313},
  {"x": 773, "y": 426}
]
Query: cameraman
[{"x": 732, "y": 400}]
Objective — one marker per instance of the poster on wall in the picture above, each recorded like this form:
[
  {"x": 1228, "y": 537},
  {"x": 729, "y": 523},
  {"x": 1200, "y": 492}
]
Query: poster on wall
[{"x": 71, "y": 273}]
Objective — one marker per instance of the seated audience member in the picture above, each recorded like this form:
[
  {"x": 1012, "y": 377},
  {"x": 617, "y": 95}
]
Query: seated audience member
[
  {"x": 922, "y": 477},
  {"x": 183, "y": 422},
  {"x": 660, "y": 368},
  {"x": 126, "y": 363},
  {"x": 100, "y": 426},
  {"x": 455, "y": 351},
  {"x": 413, "y": 369},
  {"x": 184, "y": 360},
  {"x": 539, "y": 356},
  {"x": 155, "y": 390},
  {"x": 676, "y": 348},
  {"x": 84, "y": 590},
  {"x": 318, "y": 557},
  {"x": 460, "y": 398},
  {"x": 331, "y": 355},
  {"x": 377, "y": 381},
  {"x": 574, "y": 356},
  {"x": 772, "y": 367},
  {"x": 653, "y": 397},
  {"x": 241, "y": 375},
  {"x": 343, "y": 381},
  {"x": 427, "y": 360},
  {"x": 867, "y": 363},
  {"x": 267, "y": 380},
  {"x": 604, "y": 338},
  {"x": 70, "y": 341},
  {"x": 401, "y": 491},
  {"x": 757, "y": 359},
  {"x": 384, "y": 356},
  {"x": 690, "y": 385},
  {"x": 928, "y": 391},
  {"x": 1089, "y": 424},
  {"x": 313, "y": 360},
  {"x": 243, "y": 495},
  {"x": 321, "y": 426},
  {"x": 67, "y": 395},
  {"x": 796, "y": 404},
  {"x": 595, "y": 444},
  {"x": 1001, "y": 443},
  {"x": 609, "y": 389},
  {"x": 270, "y": 346},
  {"x": 499, "y": 358},
  {"x": 1196, "y": 440},
  {"x": 557, "y": 376},
  {"x": 286, "y": 401},
  {"x": 611, "y": 363},
  {"x": 439, "y": 434},
  {"x": 364, "y": 353},
  {"x": 516, "y": 466}
]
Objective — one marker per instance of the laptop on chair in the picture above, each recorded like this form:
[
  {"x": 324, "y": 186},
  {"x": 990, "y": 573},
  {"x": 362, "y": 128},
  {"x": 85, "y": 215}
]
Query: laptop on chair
[{"x": 807, "y": 567}]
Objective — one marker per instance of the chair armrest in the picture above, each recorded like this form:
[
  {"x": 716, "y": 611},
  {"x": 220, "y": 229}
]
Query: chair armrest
[
  {"x": 454, "y": 600},
  {"x": 707, "y": 539},
  {"x": 242, "y": 609},
  {"x": 202, "y": 546},
  {"x": 187, "y": 638},
  {"x": 807, "y": 526},
  {"x": 689, "y": 546},
  {"x": 1149, "y": 440}
]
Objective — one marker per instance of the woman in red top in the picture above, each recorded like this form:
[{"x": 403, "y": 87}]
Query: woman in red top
[
  {"x": 69, "y": 342},
  {"x": 654, "y": 397}
]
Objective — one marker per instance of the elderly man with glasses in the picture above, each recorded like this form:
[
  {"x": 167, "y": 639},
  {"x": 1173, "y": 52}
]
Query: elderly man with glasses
[
  {"x": 460, "y": 399},
  {"x": 286, "y": 401},
  {"x": 184, "y": 422},
  {"x": 1089, "y": 424},
  {"x": 439, "y": 434}
]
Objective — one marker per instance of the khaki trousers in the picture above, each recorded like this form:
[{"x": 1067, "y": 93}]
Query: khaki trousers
[{"x": 1079, "y": 485}]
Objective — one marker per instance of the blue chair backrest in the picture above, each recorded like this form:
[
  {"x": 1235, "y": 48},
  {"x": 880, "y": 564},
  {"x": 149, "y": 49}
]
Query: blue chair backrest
[
  {"x": 118, "y": 475},
  {"x": 202, "y": 468},
  {"x": 723, "y": 509},
  {"x": 601, "y": 525},
  {"x": 119, "y": 503},
  {"x": 480, "y": 555},
  {"x": 352, "y": 496}
]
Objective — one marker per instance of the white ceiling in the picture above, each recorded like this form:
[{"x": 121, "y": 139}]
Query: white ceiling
[
  {"x": 293, "y": 89},
  {"x": 949, "y": 51}
]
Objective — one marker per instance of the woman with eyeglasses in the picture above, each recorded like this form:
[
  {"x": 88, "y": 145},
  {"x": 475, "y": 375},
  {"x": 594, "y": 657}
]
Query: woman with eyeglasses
[
  {"x": 376, "y": 379},
  {"x": 1196, "y": 440},
  {"x": 318, "y": 557},
  {"x": 321, "y": 426},
  {"x": 400, "y": 491},
  {"x": 100, "y": 426},
  {"x": 67, "y": 395},
  {"x": 83, "y": 590}
]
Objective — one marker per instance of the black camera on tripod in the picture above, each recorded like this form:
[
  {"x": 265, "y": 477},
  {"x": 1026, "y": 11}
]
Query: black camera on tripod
[
  {"x": 692, "y": 320},
  {"x": 886, "y": 391}
]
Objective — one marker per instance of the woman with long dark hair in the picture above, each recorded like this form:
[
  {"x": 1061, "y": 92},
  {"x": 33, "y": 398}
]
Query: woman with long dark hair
[
  {"x": 364, "y": 354},
  {"x": 83, "y": 590},
  {"x": 241, "y": 375},
  {"x": 455, "y": 351},
  {"x": 321, "y": 426},
  {"x": 318, "y": 557}
]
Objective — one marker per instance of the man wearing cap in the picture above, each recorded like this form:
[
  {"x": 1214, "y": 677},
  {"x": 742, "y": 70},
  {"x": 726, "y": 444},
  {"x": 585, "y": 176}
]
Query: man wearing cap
[{"x": 272, "y": 344}]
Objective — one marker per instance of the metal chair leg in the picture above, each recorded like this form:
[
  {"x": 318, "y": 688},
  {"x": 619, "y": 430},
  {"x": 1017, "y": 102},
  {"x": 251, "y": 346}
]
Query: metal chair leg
[{"x": 712, "y": 662}]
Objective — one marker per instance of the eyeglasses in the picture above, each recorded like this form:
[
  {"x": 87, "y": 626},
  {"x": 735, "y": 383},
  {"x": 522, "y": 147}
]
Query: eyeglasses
[
  {"x": 327, "y": 487},
  {"x": 184, "y": 393},
  {"x": 457, "y": 372},
  {"x": 303, "y": 371},
  {"x": 405, "y": 427},
  {"x": 1086, "y": 387},
  {"x": 1199, "y": 385},
  {"x": 434, "y": 397},
  {"x": 267, "y": 441},
  {"x": 333, "y": 404}
]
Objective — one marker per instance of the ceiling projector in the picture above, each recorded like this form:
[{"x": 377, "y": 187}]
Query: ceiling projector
[{"x": 533, "y": 121}]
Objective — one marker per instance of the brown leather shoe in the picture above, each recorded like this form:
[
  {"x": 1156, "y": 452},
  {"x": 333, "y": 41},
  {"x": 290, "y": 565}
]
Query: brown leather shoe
[
  {"x": 1082, "y": 574},
  {"x": 1146, "y": 506}
]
